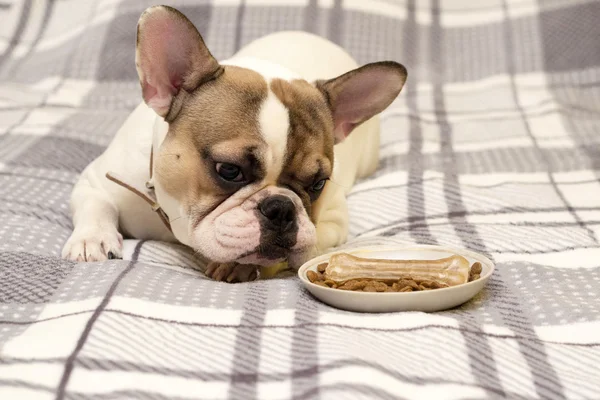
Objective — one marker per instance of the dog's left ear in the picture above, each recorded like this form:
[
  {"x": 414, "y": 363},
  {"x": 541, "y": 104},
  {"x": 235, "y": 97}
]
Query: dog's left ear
[
  {"x": 170, "y": 56},
  {"x": 362, "y": 93}
]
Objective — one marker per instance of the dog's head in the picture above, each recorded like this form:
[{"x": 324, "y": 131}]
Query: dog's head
[{"x": 247, "y": 157}]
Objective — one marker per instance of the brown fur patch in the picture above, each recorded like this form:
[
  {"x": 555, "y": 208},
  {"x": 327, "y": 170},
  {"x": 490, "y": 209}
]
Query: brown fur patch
[
  {"x": 217, "y": 120},
  {"x": 309, "y": 153}
]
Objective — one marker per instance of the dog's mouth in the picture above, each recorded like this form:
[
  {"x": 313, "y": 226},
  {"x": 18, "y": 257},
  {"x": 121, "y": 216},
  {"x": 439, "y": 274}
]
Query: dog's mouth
[
  {"x": 273, "y": 251},
  {"x": 266, "y": 255}
]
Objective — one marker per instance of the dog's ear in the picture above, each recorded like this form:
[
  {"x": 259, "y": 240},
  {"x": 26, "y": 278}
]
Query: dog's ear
[
  {"x": 170, "y": 56},
  {"x": 358, "y": 95}
]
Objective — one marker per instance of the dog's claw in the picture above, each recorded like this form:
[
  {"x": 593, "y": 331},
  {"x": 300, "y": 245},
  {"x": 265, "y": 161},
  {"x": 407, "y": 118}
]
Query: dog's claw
[
  {"x": 209, "y": 270},
  {"x": 231, "y": 272},
  {"x": 221, "y": 273},
  {"x": 93, "y": 246},
  {"x": 230, "y": 278}
]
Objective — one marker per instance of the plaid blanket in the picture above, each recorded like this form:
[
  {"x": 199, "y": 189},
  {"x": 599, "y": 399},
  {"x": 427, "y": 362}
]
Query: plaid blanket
[{"x": 493, "y": 146}]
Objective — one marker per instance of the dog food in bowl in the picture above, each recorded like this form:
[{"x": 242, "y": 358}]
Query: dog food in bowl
[
  {"x": 461, "y": 273},
  {"x": 348, "y": 272}
]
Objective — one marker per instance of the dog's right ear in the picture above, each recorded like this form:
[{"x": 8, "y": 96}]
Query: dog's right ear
[{"x": 170, "y": 56}]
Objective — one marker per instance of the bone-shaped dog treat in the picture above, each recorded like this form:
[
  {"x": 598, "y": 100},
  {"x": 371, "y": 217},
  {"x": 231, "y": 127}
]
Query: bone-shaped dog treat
[{"x": 450, "y": 271}]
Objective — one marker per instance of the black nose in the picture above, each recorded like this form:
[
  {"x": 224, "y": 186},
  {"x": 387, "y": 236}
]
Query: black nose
[{"x": 279, "y": 211}]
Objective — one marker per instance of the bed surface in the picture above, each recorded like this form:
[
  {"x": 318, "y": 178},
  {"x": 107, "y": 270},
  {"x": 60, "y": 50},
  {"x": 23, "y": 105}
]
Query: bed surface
[{"x": 493, "y": 145}]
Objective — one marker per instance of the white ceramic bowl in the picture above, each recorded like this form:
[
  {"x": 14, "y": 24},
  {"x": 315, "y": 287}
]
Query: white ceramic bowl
[{"x": 427, "y": 301}]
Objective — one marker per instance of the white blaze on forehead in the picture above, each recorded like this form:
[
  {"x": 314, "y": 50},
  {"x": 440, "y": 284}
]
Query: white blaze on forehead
[
  {"x": 273, "y": 118},
  {"x": 274, "y": 124}
]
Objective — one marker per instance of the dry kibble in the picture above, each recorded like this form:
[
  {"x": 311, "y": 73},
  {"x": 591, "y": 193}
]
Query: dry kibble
[
  {"x": 404, "y": 284},
  {"x": 430, "y": 284},
  {"x": 408, "y": 282},
  {"x": 379, "y": 286},
  {"x": 475, "y": 272},
  {"x": 354, "y": 285},
  {"x": 433, "y": 284},
  {"x": 474, "y": 277}
]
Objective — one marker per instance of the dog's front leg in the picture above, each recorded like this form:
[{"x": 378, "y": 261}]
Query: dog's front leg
[
  {"x": 332, "y": 224},
  {"x": 95, "y": 218}
]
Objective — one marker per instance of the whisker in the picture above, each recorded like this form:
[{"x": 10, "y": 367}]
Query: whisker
[
  {"x": 337, "y": 184},
  {"x": 173, "y": 220},
  {"x": 168, "y": 154}
]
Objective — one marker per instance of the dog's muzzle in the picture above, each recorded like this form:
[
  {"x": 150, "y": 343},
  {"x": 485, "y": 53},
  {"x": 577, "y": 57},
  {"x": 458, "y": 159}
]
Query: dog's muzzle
[{"x": 278, "y": 226}]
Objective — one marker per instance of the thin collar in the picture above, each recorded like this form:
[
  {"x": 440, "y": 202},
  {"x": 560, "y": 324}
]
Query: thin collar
[{"x": 147, "y": 193}]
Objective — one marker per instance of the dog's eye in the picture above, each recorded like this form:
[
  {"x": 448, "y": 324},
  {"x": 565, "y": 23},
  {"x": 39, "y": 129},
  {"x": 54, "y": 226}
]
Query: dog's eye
[
  {"x": 230, "y": 172},
  {"x": 318, "y": 186}
]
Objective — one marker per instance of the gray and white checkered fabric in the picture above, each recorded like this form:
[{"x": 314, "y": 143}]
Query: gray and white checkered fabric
[{"x": 493, "y": 145}]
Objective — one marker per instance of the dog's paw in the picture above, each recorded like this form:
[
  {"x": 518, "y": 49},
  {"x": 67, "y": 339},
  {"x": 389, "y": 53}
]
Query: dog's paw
[
  {"x": 93, "y": 245},
  {"x": 232, "y": 272}
]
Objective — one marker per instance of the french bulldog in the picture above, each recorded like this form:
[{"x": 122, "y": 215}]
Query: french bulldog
[{"x": 248, "y": 161}]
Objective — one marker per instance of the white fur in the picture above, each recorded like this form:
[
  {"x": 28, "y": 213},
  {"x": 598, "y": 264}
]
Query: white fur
[
  {"x": 178, "y": 217},
  {"x": 274, "y": 125},
  {"x": 100, "y": 206},
  {"x": 267, "y": 69}
]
